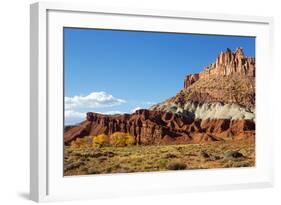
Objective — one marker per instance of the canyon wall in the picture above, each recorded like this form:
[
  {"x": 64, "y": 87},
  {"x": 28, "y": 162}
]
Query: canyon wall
[{"x": 156, "y": 127}]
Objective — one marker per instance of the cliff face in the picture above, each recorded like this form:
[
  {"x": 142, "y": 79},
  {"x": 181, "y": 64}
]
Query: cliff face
[
  {"x": 157, "y": 127},
  {"x": 230, "y": 80},
  {"x": 190, "y": 79},
  {"x": 226, "y": 64},
  {"x": 231, "y": 89},
  {"x": 215, "y": 104}
]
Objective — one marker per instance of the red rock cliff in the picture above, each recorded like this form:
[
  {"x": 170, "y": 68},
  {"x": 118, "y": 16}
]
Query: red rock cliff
[
  {"x": 190, "y": 79},
  {"x": 227, "y": 63},
  {"x": 156, "y": 127}
]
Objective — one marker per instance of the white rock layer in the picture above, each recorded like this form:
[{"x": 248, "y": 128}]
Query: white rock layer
[{"x": 213, "y": 111}]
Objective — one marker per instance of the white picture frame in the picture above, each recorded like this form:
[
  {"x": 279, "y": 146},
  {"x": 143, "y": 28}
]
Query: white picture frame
[{"x": 46, "y": 174}]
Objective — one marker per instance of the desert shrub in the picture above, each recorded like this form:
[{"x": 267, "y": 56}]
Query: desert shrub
[
  {"x": 73, "y": 165},
  {"x": 75, "y": 143},
  {"x": 162, "y": 163},
  {"x": 81, "y": 142},
  {"x": 130, "y": 140},
  {"x": 233, "y": 154},
  {"x": 102, "y": 158},
  {"x": 169, "y": 155},
  {"x": 121, "y": 139},
  {"x": 176, "y": 165},
  {"x": 100, "y": 140},
  {"x": 94, "y": 170}
]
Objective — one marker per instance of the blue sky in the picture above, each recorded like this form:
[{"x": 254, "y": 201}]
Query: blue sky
[{"x": 111, "y": 71}]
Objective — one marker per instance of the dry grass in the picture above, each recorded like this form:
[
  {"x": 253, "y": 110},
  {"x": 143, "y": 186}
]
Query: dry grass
[{"x": 87, "y": 160}]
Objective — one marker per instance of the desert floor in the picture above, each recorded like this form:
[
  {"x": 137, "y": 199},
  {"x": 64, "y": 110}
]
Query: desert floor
[{"x": 87, "y": 160}]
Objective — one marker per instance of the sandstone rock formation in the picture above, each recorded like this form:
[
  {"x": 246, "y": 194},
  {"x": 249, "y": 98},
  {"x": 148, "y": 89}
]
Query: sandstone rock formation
[
  {"x": 227, "y": 63},
  {"x": 190, "y": 79},
  {"x": 215, "y": 104},
  {"x": 230, "y": 80},
  {"x": 238, "y": 90},
  {"x": 157, "y": 127}
]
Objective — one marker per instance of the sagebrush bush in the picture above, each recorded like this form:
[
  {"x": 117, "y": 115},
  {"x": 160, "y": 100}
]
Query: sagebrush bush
[
  {"x": 100, "y": 140},
  {"x": 121, "y": 139},
  {"x": 81, "y": 142},
  {"x": 75, "y": 143},
  {"x": 176, "y": 165}
]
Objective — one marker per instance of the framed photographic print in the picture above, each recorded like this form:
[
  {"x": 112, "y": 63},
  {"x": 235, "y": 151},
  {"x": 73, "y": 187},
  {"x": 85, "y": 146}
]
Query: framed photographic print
[{"x": 127, "y": 102}]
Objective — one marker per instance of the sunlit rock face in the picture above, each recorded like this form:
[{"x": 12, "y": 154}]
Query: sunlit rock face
[
  {"x": 224, "y": 89},
  {"x": 229, "y": 63},
  {"x": 215, "y": 104},
  {"x": 160, "y": 127},
  {"x": 213, "y": 111},
  {"x": 190, "y": 79}
]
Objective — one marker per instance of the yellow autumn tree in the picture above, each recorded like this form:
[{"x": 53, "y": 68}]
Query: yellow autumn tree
[
  {"x": 100, "y": 140},
  {"x": 121, "y": 139}
]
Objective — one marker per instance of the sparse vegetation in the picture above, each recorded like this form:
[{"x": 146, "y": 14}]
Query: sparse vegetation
[
  {"x": 100, "y": 140},
  {"x": 81, "y": 142},
  {"x": 176, "y": 165},
  {"x": 120, "y": 139},
  {"x": 83, "y": 159},
  {"x": 117, "y": 139}
]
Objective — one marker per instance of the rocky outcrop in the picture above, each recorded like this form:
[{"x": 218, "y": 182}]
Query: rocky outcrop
[
  {"x": 227, "y": 91},
  {"x": 157, "y": 127},
  {"x": 215, "y": 104},
  {"x": 190, "y": 79},
  {"x": 229, "y": 81},
  {"x": 227, "y": 63},
  {"x": 207, "y": 110}
]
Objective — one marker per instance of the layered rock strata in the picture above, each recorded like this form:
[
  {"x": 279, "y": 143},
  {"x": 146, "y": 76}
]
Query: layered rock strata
[
  {"x": 223, "y": 90},
  {"x": 216, "y": 104},
  {"x": 227, "y": 63},
  {"x": 157, "y": 127}
]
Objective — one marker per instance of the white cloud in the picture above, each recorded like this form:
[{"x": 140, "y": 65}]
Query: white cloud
[
  {"x": 135, "y": 109},
  {"x": 113, "y": 112},
  {"x": 72, "y": 113},
  {"x": 73, "y": 117},
  {"x": 93, "y": 100}
]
